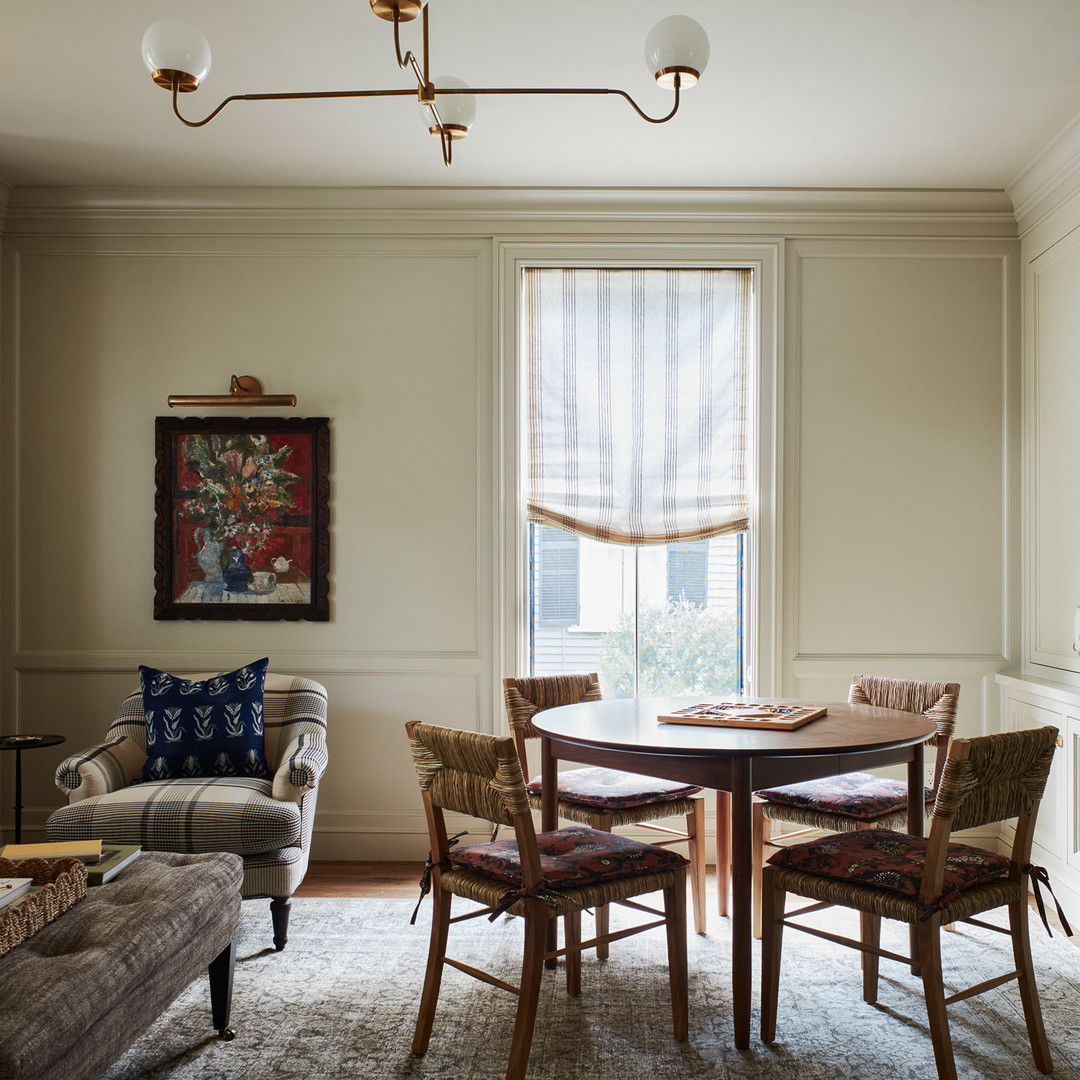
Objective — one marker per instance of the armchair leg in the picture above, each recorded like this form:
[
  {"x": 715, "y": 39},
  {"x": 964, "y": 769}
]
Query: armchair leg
[{"x": 279, "y": 914}]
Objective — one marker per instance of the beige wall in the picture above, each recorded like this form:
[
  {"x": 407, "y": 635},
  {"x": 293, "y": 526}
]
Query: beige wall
[{"x": 897, "y": 399}]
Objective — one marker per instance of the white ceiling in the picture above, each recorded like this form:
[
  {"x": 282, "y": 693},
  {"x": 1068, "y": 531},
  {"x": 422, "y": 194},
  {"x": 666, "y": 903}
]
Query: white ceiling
[{"x": 798, "y": 93}]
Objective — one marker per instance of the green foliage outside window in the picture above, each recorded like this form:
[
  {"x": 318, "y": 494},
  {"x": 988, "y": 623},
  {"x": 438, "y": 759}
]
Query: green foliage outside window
[{"x": 683, "y": 649}]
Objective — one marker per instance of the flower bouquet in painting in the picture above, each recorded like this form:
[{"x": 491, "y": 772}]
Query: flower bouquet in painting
[{"x": 241, "y": 523}]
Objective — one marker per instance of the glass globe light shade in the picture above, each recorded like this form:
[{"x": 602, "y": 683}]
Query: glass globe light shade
[
  {"x": 172, "y": 45},
  {"x": 677, "y": 45},
  {"x": 458, "y": 111}
]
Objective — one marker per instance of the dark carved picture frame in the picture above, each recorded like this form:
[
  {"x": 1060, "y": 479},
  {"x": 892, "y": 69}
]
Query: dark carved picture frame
[{"x": 236, "y": 496}]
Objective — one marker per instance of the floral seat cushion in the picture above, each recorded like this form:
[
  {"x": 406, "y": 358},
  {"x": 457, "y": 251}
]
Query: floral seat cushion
[
  {"x": 610, "y": 789},
  {"x": 891, "y": 860},
  {"x": 862, "y": 796},
  {"x": 570, "y": 858}
]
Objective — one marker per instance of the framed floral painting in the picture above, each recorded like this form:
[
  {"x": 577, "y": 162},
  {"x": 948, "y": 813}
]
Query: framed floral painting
[{"x": 242, "y": 518}]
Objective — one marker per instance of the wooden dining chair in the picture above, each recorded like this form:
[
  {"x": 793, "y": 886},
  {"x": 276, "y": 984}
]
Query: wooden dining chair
[
  {"x": 854, "y": 801},
  {"x": 607, "y": 799},
  {"x": 926, "y": 883},
  {"x": 538, "y": 877}
]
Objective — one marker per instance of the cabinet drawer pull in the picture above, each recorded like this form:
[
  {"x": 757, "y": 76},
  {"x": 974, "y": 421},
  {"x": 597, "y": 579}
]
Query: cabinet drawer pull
[{"x": 1060, "y": 742}]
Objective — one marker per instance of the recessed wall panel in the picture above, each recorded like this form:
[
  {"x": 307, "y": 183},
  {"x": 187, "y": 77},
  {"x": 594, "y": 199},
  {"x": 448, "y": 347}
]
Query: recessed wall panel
[{"x": 899, "y": 453}]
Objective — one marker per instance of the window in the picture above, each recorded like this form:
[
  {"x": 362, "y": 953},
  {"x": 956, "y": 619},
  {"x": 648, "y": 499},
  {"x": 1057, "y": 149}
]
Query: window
[{"x": 637, "y": 494}]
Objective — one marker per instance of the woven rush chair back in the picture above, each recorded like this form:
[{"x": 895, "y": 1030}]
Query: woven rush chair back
[
  {"x": 936, "y": 700},
  {"x": 526, "y": 696},
  {"x": 993, "y": 778},
  {"x": 474, "y": 774},
  {"x": 988, "y": 779}
]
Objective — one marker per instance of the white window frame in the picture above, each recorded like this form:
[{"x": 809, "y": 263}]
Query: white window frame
[{"x": 763, "y": 556}]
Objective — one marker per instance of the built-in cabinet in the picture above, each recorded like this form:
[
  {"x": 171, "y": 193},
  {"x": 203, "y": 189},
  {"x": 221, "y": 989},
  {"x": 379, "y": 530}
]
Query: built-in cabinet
[{"x": 1029, "y": 703}]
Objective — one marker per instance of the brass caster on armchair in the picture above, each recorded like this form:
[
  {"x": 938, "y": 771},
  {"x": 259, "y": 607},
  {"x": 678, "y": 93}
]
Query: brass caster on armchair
[{"x": 227, "y": 1034}]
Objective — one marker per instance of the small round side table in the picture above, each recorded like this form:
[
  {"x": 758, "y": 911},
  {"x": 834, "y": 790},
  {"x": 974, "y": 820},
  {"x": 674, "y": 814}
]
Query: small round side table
[{"x": 19, "y": 743}]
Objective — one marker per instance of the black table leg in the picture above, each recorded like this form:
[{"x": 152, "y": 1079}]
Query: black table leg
[{"x": 18, "y": 796}]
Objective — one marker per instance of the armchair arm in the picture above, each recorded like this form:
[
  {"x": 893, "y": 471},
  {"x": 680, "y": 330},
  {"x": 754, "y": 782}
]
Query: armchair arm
[
  {"x": 302, "y": 764},
  {"x": 109, "y": 766}
]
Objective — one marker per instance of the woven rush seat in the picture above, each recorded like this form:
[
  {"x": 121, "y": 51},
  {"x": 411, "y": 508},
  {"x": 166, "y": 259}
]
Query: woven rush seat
[
  {"x": 926, "y": 883},
  {"x": 863, "y": 797},
  {"x": 551, "y": 876},
  {"x": 583, "y": 790},
  {"x": 893, "y": 862},
  {"x": 570, "y": 858}
]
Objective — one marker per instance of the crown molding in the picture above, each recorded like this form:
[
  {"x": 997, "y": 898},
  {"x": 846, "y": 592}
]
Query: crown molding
[
  {"x": 1049, "y": 180},
  {"x": 715, "y": 204}
]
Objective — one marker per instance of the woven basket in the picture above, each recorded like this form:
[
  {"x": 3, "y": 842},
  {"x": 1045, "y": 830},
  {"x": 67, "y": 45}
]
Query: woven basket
[{"x": 63, "y": 885}]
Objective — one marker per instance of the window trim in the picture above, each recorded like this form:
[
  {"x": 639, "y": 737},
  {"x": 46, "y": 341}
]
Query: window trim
[{"x": 763, "y": 587}]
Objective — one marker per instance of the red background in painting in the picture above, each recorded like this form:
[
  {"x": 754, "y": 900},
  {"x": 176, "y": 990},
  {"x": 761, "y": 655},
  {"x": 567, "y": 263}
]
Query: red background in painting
[{"x": 291, "y": 536}]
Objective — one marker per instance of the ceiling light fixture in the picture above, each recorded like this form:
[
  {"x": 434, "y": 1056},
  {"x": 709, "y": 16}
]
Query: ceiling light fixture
[{"x": 178, "y": 58}]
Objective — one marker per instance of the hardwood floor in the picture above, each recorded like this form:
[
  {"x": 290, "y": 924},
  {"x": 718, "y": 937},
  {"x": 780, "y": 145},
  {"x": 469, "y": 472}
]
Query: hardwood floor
[{"x": 380, "y": 880}]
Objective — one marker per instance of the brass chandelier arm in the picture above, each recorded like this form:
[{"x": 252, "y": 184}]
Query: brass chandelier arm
[
  {"x": 577, "y": 91},
  {"x": 283, "y": 97},
  {"x": 317, "y": 94}
]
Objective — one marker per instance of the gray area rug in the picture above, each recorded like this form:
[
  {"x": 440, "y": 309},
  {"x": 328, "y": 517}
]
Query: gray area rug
[{"x": 340, "y": 1002}]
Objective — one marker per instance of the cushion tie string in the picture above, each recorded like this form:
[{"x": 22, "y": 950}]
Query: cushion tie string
[
  {"x": 538, "y": 892},
  {"x": 1039, "y": 875},
  {"x": 429, "y": 865}
]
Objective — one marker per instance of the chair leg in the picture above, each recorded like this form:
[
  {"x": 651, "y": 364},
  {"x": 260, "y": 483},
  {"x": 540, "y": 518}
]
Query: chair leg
[
  {"x": 762, "y": 834},
  {"x": 929, "y": 954},
  {"x": 279, "y": 916},
  {"x": 870, "y": 927},
  {"x": 695, "y": 830},
  {"x": 678, "y": 978},
  {"x": 429, "y": 998},
  {"x": 723, "y": 851},
  {"x": 1029, "y": 992},
  {"x": 601, "y": 822},
  {"x": 771, "y": 911},
  {"x": 532, "y": 968},
  {"x": 572, "y": 940}
]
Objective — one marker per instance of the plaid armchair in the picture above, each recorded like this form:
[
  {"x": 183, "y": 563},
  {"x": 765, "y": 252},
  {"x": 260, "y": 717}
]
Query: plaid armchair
[{"x": 268, "y": 821}]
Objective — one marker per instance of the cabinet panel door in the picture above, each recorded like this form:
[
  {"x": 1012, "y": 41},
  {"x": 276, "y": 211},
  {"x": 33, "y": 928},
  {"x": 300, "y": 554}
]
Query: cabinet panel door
[
  {"x": 1051, "y": 831},
  {"x": 1071, "y": 775}
]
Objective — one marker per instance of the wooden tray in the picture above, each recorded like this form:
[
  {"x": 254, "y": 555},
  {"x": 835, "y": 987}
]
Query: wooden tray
[{"x": 745, "y": 714}]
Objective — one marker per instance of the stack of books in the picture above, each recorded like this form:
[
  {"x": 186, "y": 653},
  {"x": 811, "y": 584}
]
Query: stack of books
[
  {"x": 87, "y": 850},
  {"x": 103, "y": 860}
]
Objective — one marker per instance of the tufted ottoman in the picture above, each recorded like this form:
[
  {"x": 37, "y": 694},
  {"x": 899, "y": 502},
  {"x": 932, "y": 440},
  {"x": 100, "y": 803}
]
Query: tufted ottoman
[{"x": 76, "y": 994}]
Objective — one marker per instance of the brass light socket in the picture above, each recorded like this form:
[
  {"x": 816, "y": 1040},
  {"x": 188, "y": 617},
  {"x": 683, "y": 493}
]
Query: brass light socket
[
  {"x": 687, "y": 77},
  {"x": 165, "y": 77},
  {"x": 401, "y": 10}
]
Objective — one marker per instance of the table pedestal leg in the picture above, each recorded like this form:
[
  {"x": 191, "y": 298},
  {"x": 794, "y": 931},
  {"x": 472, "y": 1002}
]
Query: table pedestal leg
[{"x": 741, "y": 901}]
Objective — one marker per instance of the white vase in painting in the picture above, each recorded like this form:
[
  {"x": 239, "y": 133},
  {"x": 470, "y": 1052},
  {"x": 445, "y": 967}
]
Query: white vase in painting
[{"x": 208, "y": 556}]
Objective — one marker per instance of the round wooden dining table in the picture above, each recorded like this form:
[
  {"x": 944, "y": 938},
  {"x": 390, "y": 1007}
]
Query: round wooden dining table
[{"x": 624, "y": 733}]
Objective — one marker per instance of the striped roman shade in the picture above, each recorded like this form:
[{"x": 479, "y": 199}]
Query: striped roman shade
[{"x": 638, "y": 401}]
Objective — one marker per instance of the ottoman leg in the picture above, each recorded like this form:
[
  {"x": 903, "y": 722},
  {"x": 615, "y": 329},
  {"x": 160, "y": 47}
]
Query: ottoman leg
[
  {"x": 279, "y": 913},
  {"x": 221, "y": 982}
]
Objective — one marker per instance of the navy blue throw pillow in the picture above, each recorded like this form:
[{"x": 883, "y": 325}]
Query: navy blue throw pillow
[{"x": 213, "y": 727}]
